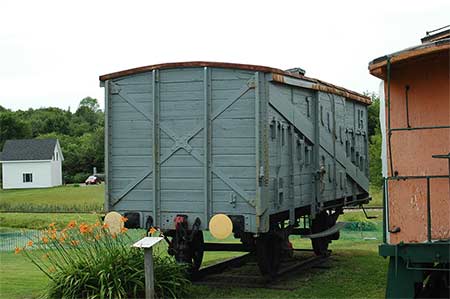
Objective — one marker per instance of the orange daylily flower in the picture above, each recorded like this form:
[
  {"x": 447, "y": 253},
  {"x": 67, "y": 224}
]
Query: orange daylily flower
[
  {"x": 45, "y": 240},
  {"x": 97, "y": 224},
  {"x": 53, "y": 236},
  {"x": 123, "y": 219},
  {"x": 52, "y": 224},
  {"x": 152, "y": 230},
  {"x": 123, "y": 229},
  {"x": 97, "y": 237},
  {"x": 84, "y": 228},
  {"x": 17, "y": 250},
  {"x": 72, "y": 224},
  {"x": 62, "y": 239},
  {"x": 114, "y": 235},
  {"x": 106, "y": 225},
  {"x": 30, "y": 243}
]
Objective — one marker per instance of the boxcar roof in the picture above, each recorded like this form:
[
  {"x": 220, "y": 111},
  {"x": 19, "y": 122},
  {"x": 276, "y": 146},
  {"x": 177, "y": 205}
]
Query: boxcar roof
[
  {"x": 278, "y": 75},
  {"x": 377, "y": 67}
]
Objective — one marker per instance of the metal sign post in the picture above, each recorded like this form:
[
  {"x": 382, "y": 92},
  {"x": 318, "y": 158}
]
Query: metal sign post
[{"x": 147, "y": 244}]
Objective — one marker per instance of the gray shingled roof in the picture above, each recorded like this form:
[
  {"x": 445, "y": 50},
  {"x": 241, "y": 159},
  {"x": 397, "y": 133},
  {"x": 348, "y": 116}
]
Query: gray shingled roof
[{"x": 28, "y": 149}]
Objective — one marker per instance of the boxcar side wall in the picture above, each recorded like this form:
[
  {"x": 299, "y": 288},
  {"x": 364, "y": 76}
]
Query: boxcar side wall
[
  {"x": 296, "y": 116},
  {"x": 183, "y": 141}
]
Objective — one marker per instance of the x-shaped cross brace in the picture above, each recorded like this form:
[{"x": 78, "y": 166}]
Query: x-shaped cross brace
[{"x": 183, "y": 141}]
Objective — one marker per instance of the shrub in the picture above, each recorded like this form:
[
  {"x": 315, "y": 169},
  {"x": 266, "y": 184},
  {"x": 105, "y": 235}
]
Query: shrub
[
  {"x": 87, "y": 261},
  {"x": 80, "y": 177}
]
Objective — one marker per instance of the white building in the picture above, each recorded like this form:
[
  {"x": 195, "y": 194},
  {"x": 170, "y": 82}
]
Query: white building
[{"x": 31, "y": 163}]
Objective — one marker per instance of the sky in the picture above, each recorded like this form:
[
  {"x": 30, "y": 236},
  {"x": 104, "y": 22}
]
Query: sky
[{"x": 52, "y": 52}]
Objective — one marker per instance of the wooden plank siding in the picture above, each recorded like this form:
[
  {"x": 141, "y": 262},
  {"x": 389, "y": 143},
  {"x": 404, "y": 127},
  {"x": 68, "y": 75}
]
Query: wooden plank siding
[{"x": 230, "y": 141}]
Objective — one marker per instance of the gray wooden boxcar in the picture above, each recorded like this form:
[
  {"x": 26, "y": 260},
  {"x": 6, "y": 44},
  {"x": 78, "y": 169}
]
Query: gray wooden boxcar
[{"x": 277, "y": 152}]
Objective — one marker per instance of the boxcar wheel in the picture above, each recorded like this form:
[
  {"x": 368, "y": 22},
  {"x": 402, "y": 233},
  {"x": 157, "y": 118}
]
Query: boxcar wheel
[
  {"x": 319, "y": 224},
  {"x": 197, "y": 251},
  {"x": 268, "y": 254},
  {"x": 188, "y": 252}
]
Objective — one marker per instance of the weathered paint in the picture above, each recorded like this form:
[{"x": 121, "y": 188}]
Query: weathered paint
[
  {"x": 425, "y": 71},
  {"x": 200, "y": 140},
  {"x": 428, "y": 106}
]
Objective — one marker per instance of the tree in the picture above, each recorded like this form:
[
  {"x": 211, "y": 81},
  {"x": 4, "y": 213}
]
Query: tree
[
  {"x": 90, "y": 103},
  {"x": 374, "y": 132},
  {"x": 373, "y": 115},
  {"x": 89, "y": 112},
  {"x": 12, "y": 127}
]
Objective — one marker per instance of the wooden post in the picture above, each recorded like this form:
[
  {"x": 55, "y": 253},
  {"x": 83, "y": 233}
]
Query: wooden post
[
  {"x": 147, "y": 243},
  {"x": 149, "y": 275}
]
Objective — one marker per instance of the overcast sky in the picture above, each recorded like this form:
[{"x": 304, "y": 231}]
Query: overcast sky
[{"x": 52, "y": 52}]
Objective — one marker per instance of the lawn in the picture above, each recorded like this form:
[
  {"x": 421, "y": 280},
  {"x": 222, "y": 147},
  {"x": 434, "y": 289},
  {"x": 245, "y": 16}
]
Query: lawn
[
  {"x": 71, "y": 198},
  {"x": 42, "y": 220},
  {"x": 356, "y": 270},
  {"x": 377, "y": 196}
]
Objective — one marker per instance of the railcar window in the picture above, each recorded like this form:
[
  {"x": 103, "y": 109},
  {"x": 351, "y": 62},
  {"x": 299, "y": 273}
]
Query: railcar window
[
  {"x": 299, "y": 149},
  {"x": 347, "y": 148},
  {"x": 328, "y": 122},
  {"x": 352, "y": 154},
  {"x": 273, "y": 127},
  {"x": 307, "y": 157},
  {"x": 329, "y": 173},
  {"x": 321, "y": 115},
  {"x": 308, "y": 112}
]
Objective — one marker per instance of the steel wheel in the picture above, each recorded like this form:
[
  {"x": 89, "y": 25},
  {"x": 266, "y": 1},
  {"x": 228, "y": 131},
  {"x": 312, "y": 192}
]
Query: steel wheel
[
  {"x": 268, "y": 253},
  {"x": 197, "y": 246},
  {"x": 319, "y": 224},
  {"x": 188, "y": 252}
]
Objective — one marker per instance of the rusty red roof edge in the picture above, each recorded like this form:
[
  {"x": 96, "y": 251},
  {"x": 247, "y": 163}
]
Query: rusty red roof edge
[{"x": 249, "y": 67}]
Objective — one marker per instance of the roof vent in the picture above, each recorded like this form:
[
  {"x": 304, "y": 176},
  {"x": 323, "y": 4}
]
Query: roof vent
[
  {"x": 436, "y": 34},
  {"x": 297, "y": 71}
]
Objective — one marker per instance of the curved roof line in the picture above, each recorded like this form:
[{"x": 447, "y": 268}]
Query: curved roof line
[
  {"x": 318, "y": 84},
  {"x": 376, "y": 66}
]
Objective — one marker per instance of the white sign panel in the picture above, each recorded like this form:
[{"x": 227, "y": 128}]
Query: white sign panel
[{"x": 147, "y": 242}]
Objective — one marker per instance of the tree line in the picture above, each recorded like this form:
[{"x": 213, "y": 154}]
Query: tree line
[{"x": 81, "y": 134}]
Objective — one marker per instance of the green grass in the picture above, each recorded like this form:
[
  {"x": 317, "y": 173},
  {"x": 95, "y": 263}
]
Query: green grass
[
  {"x": 42, "y": 220},
  {"x": 377, "y": 196},
  {"x": 355, "y": 270},
  {"x": 58, "y": 199},
  {"x": 19, "y": 278}
]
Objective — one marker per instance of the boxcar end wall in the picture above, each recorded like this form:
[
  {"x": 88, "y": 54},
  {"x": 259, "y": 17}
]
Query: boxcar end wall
[{"x": 203, "y": 140}]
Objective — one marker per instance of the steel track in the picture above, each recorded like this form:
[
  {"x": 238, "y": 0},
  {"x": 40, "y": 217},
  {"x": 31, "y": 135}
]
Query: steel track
[{"x": 226, "y": 274}]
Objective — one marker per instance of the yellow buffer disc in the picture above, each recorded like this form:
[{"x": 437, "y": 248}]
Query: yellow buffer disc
[
  {"x": 220, "y": 226},
  {"x": 114, "y": 221}
]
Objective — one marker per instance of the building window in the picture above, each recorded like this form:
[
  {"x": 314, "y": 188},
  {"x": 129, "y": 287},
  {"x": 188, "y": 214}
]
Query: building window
[
  {"x": 27, "y": 177},
  {"x": 56, "y": 156}
]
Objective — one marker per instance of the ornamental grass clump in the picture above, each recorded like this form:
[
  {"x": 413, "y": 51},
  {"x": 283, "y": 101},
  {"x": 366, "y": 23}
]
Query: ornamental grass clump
[{"x": 88, "y": 261}]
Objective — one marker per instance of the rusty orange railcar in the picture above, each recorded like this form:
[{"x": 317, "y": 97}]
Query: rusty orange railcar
[{"x": 415, "y": 115}]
